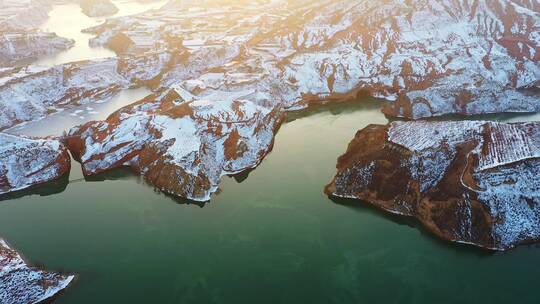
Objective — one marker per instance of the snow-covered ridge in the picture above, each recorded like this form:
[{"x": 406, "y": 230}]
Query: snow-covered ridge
[
  {"x": 21, "y": 45},
  {"x": 28, "y": 94},
  {"x": 23, "y": 14},
  {"x": 19, "y": 37}
]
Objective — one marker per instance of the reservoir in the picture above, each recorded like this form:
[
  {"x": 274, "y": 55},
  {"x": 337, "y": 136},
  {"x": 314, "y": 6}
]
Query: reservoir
[{"x": 268, "y": 237}]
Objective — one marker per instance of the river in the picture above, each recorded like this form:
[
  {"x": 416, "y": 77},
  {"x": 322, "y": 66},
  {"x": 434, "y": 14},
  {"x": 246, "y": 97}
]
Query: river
[
  {"x": 67, "y": 20},
  {"x": 268, "y": 237}
]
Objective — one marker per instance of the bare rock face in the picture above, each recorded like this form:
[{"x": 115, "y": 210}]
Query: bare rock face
[
  {"x": 429, "y": 57},
  {"x": 25, "y": 162},
  {"x": 22, "y": 284},
  {"x": 470, "y": 181},
  {"x": 183, "y": 148},
  {"x": 98, "y": 8}
]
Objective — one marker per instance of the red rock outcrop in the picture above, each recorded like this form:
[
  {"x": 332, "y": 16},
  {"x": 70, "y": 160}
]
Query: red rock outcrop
[{"x": 471, "y": 181}]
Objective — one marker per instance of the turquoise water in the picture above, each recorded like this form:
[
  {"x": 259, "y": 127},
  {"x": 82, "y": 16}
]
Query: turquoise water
[{"x": 274, "y": 237}]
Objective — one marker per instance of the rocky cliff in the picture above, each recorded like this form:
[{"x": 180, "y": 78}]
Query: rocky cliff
[{"x": 466, "y": 181}]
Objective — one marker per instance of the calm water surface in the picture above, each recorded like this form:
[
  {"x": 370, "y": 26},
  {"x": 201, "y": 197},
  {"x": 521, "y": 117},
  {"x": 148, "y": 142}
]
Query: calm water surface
[{"x": 272, "y": 238}]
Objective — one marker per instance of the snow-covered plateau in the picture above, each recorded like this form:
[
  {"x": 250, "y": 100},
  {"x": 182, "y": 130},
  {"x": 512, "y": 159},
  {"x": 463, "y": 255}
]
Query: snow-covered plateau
[{"x": 426, "y": 58}]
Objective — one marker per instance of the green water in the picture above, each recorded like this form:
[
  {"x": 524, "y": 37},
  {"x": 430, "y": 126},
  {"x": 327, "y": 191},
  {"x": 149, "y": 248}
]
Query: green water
[{"x": 273, "y": 238}]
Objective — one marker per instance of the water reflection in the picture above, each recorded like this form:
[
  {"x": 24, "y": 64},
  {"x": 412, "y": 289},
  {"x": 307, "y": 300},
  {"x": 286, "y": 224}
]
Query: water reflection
[
  {"x": 362, "y": 103},
  {"x": 67, "y": 20},
  {"x": 50, "y": 188},
  {"x": 111, "y": 175},
  {"x": 411, "y": 222}
]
